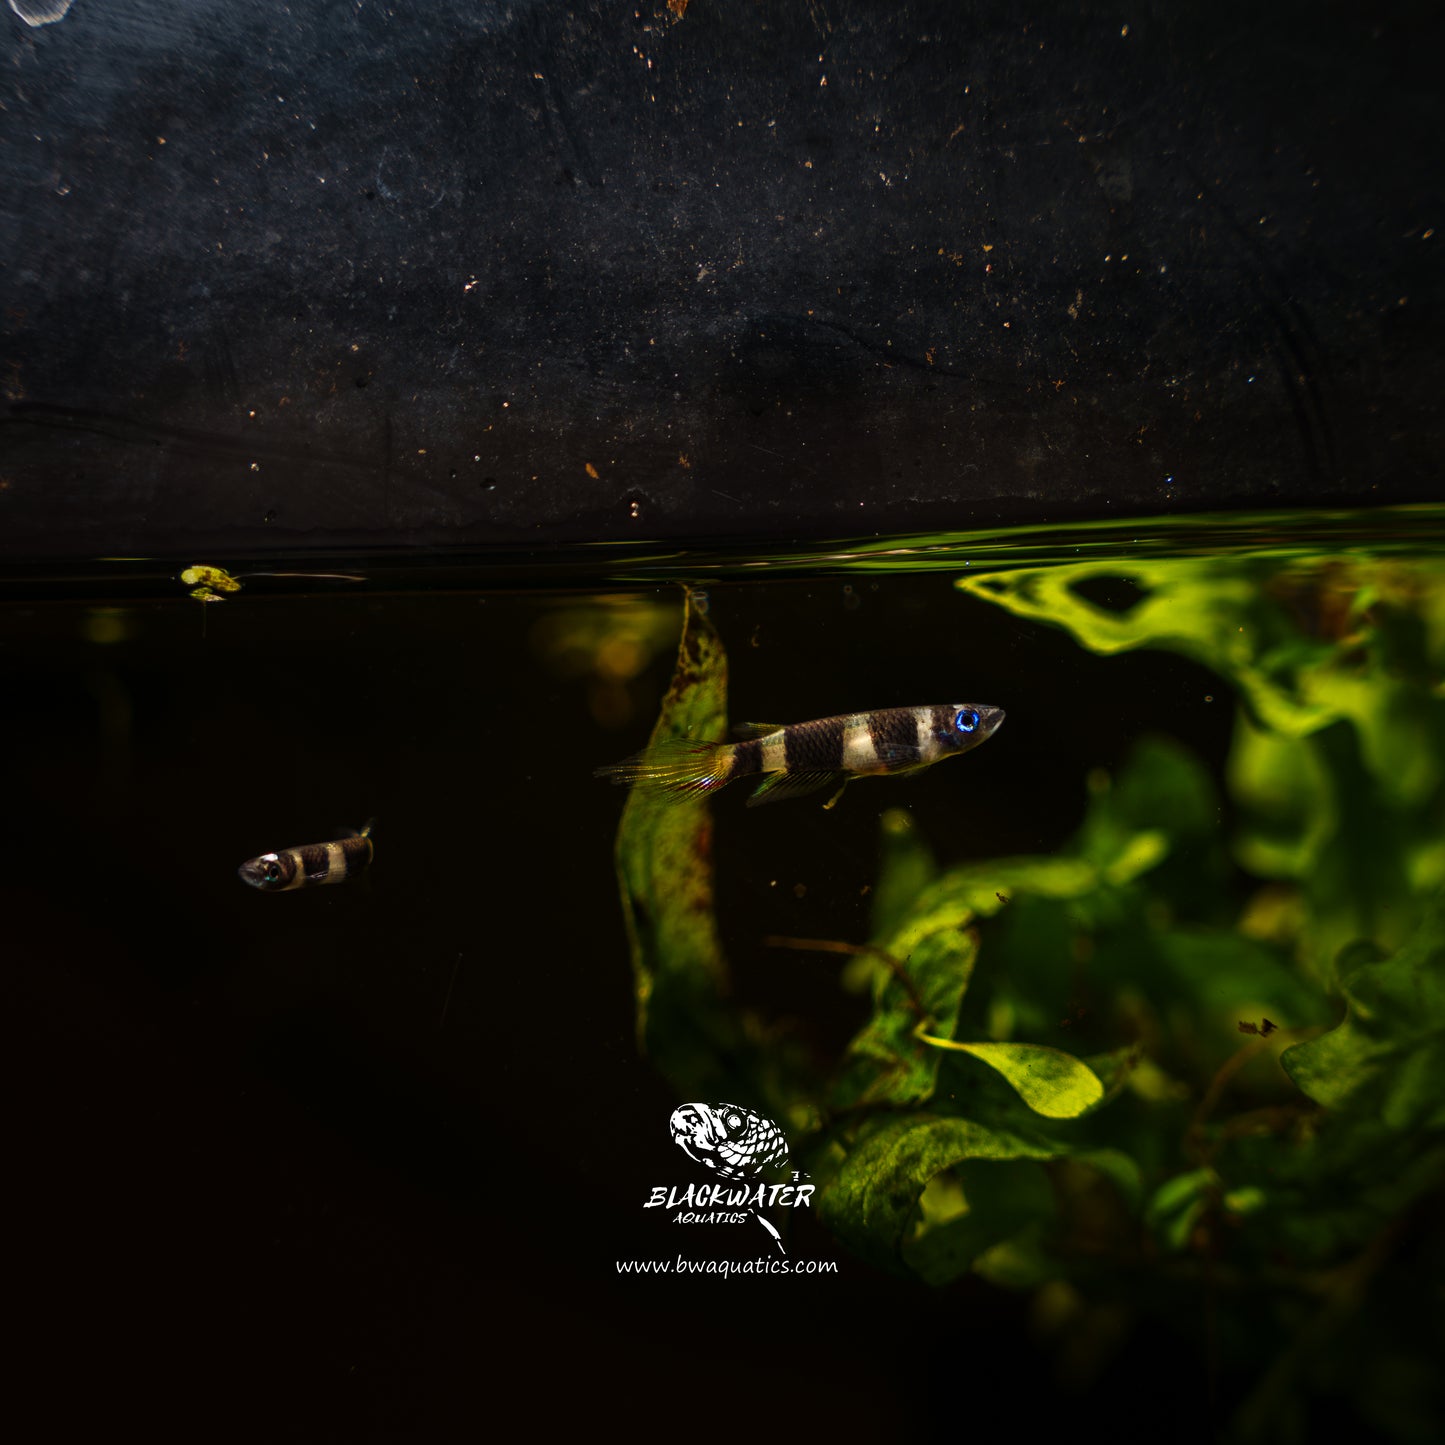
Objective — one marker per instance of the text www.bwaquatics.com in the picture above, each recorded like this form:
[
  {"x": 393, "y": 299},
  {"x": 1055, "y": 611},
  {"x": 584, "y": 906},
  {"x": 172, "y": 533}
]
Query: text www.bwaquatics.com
[{"x": 761, "y": 1265}]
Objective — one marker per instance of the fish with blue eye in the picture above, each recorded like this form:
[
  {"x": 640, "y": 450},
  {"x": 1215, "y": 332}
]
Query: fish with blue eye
[{"x": 806, "y": 757}]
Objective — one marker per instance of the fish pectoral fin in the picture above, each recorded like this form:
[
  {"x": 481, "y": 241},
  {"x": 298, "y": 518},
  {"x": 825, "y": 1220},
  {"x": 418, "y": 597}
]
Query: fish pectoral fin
[
  {"x": 911, "y": 771},
  {"x": 777, "y": 786},
  {"x": 744, "y": 730},
  {"x": 899, "y": 757}
]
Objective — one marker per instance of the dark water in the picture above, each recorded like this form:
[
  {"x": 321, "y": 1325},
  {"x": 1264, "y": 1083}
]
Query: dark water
[{"x": 361, "y": 1161}]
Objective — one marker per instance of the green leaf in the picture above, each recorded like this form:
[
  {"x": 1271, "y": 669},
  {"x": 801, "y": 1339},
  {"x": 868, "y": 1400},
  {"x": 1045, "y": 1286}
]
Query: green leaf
[
  {"x": 980, "y": 890},
  {"x": 1119, "y": 1169},
  {"x": 1049, "y": 1081},
  {"x": 886, "y": 1062},
  {"x": 664, "y": 868},
  {"x": 1213, "y": 609},
  {"x": 1178, "y": 1203},
  {"x": 1226, "y": 978},
  {"x": 1387, "y": 1056},
  {"x": 991, "y": 1202},
  {"x": 872, "y": 1202}
]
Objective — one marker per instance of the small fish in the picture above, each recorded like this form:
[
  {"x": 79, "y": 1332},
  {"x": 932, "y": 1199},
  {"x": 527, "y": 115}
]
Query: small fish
[
  {"x": 805, "y": 757},
  {"x": 314, "y": 864}
]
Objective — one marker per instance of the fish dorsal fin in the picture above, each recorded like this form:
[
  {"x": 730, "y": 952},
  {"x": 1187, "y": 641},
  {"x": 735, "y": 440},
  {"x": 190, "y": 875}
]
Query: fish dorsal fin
[
  {"x": 778, "y": 786},
  {"x": 755, "y": 730}
]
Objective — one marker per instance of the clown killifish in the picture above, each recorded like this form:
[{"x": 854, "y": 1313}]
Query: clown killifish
[
  {"x": 805, "y": 757},
  {"x": 309, "y": 866}
]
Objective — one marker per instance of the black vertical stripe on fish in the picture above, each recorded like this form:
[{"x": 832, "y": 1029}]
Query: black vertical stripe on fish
[
  {"x": 747, "y": 758},
  {"x": 815, "y": 747},
  {"x": 894, "y": 731},
  {"x": 355, "y": 855},
  {"x": 806, "y": 756},
  {"x": 311, "y": 865},
  {"x": 942, "y": 720},
  {"x": 315, "y": 862}
]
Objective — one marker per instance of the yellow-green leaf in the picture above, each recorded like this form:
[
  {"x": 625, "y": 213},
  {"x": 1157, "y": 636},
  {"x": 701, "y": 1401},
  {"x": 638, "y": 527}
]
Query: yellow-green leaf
[{"x": 1049, "y": 1081}]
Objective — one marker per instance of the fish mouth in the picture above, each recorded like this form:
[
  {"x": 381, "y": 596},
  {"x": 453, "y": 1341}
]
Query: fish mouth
[{"x": 990, "y": 720}]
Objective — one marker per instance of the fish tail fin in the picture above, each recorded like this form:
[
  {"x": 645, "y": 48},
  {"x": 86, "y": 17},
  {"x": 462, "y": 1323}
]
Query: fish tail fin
[{"x": 681, "y": 768}]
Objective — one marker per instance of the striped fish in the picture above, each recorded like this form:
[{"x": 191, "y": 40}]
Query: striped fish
[
  {"x": 805, "y": 757},
  {"x": 314, "y": 864}
]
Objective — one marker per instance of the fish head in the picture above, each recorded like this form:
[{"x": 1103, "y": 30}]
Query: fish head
[
  {"x": 265, "y": 872},
  {"x": 968, "y": 724},
  {"x": 734, "y": 1141},
  {"x": 698, "y": 1130}
]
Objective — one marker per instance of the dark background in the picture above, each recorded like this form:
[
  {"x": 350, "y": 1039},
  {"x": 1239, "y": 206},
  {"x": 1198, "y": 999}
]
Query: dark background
[
  {"x": 359, "y": 1161},
  {"x": 481, "y": 273},
  {"x": 289, "y": 278}
]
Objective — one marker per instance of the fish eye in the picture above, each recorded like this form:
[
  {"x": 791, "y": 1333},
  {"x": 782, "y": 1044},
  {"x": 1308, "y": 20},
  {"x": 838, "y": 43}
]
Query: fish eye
[
  {"x": 966, "y": 720},
  {"x": 273, "y": 872}
]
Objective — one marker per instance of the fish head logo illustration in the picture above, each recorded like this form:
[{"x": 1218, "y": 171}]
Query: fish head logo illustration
[{"x": 735, "y": 1142}]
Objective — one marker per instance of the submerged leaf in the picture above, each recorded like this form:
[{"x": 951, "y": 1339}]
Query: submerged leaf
[
  {"x": 886, "y": 1061},
  {"x": 664, "y": 866},
  {"x": 905, "y": 868},
  {"x": 1049, "y": 1081},
  {"x": 1387, "y": 1056},
  {"x": 1212, "y": 609},
  {"x": 872, "y": 1201},
  {"x": 1178, "y": 1204},
  {"x": 993, "y": 1201}
]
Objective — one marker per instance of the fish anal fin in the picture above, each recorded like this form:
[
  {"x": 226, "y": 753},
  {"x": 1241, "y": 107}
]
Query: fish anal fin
[
  {"x": 777, "y": 786},
  {"x": 755, "y": 729}
]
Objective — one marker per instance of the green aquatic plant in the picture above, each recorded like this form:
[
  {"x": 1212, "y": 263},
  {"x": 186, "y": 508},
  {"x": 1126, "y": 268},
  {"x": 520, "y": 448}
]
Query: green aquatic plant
[
  {"x": 665, "y": 874},
  {"x": 1337, "y": 768},
  {"x": 1168, "y": 1072}
]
